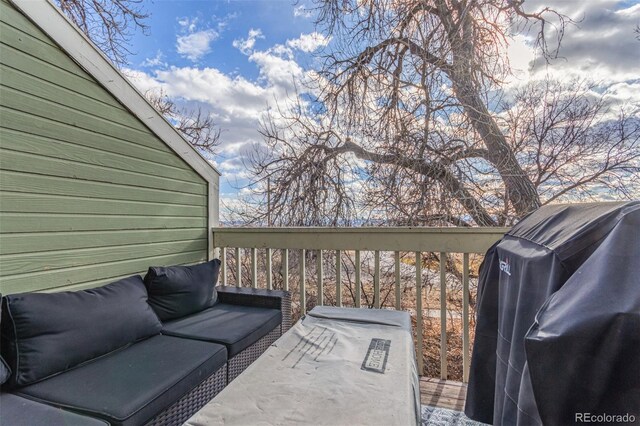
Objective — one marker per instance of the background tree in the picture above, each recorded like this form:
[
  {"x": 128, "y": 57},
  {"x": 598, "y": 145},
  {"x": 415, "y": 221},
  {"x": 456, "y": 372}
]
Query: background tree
[
  {"x": 195, "y": 124},
  {"x": 108, "y": 23},
  {"x": 408, "y": 126}
]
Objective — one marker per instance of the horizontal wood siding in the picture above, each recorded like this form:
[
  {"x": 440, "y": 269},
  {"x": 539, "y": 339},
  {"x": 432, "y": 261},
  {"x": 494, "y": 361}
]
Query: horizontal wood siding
[{"x": 88, "y": 194}]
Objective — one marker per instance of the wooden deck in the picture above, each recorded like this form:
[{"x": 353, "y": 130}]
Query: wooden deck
[{"x": 442, "y": 393}]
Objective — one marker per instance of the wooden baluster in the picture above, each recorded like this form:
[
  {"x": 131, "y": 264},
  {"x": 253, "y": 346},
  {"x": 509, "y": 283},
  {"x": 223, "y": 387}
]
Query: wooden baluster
[
  {"x": 419, "y": 320},
  {"x": 238, "y": 268},
  {"x": 303, "y": 294},
  {"x": 443, "y": 315},
  {"x": 269, "y": 269},
  {"x": 223, "y": 265},
  {"x": 320, "y": 268},
  {"x": 338, "y": 278},
  {"x": 397, "y": 271},
  {"x": 254, "y": 268},
  {"x": 376, "y": 280},
  {"x": 465, "y": 317},
  {"x": 358, "y": 279},
  {"x": 285, "y": 269}
]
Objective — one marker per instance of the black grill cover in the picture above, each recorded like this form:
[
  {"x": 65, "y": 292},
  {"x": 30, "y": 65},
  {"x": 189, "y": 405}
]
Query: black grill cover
[{"x": 558, "y": 325}]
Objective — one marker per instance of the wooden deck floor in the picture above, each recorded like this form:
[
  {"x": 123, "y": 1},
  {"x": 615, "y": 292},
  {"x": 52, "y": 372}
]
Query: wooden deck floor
[{"x": 442, "y": 393}]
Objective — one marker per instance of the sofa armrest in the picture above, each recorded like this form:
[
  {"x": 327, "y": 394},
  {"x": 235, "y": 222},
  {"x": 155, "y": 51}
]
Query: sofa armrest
[{"x": 259, "y": 297}]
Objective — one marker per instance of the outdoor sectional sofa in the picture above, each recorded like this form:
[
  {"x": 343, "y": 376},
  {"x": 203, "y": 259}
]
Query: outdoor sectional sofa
[{"x": 132, "y": 352}]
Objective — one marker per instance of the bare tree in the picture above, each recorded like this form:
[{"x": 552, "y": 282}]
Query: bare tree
[
  {"x": 196, "y": 125},
  {"x": 572, "y": 144},
  {"x": 407, "y": 125},
  {"x": 108, "y": 23}
]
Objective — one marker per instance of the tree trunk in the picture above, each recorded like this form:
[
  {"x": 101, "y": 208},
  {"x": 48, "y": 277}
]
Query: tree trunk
[{"x": 520, "y": 191}]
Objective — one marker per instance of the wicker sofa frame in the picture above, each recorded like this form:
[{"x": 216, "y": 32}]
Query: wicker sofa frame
[
  {"x": 193, "y": 401},
  {"x": 197, "y": 398}
]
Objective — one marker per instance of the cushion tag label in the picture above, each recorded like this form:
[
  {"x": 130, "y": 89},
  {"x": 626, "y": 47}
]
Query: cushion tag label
[{"x": 377, "y": 354}]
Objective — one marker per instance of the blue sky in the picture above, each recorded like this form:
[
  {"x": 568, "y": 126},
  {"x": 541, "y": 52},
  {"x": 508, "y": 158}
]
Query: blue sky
[
  {"x": 231, "y": 58},
  {"x": 235, "y": 59},
  {"x": 223, "y": 22}
]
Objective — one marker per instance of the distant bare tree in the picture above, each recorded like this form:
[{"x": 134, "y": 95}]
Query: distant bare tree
[
  {"x": 108, "y": 23},
  {"x": 407, "y": 124},
  {"x": 195, "y": 124},
  {"x": 571, "y": 144}
]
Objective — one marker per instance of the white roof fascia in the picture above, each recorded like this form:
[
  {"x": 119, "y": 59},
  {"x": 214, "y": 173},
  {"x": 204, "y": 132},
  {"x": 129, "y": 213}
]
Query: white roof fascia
[{"x": 77, "y": 45}]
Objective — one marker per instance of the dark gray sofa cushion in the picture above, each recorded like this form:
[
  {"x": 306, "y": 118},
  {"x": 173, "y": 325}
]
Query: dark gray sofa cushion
[
  {"x": 19, "y": 411},
  {"x": 177, "y": 291},
  {"x": 236, "y": 326},
  {"x": 134, "y": 384},
  {"x": 44, "y": 334}
]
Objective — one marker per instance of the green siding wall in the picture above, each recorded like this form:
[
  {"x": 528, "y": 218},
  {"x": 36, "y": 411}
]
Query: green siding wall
[{"x": 87, "y": 193}]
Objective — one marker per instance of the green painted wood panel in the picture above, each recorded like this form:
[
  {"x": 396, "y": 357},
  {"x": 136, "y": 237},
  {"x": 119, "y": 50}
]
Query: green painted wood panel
[
  {"x": 54, "y": 260},
  {"x": 88, "y": 194},
  {"x": 16, "y": 19},
  {"x": 47, "y": 222},
  {"x": 40, "y": 126},
  {"x": 47, "y": 147},
  {"x": 40, "y": 184},
  {"x": 26, "y": 43},
  {"x": 40, "y": 89},
  {"x": 47, "y": 72},
  {"x": 35, "y": 242},
  {"x": 19, "y": 161},
  {"x": 39, "y": 107},
  {"x": 20, "y": 202},
  {"x": 85, "y": 274}
]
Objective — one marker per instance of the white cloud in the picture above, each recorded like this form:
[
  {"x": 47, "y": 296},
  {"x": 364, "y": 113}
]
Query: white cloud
[
  {"x": 625, "y": 94},
  {"x": 195, "y": 45},
  {"x": 188, "y": 24},
  {"x": 599, "y": 48},
  {"x": 224, "y": 22},
  {"x": 521, "y": 55},
  {"x": 601, "y": 45},
  {"x": 309, "y": 42},
  {"x": 156, "y": 61},
  {"x": 277, "y": 71},
  {"x": 302, "y": 11},
  {"x": 246, "y": 45}
]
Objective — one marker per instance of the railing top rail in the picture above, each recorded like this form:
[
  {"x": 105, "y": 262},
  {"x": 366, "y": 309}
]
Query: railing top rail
[
  {"x": 364, "y": 229},
  {"x": 453, "y": 240}
]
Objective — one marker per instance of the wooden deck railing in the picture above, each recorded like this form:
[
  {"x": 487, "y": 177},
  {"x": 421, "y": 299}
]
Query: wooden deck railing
[{"x": 347, "y": 242}]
